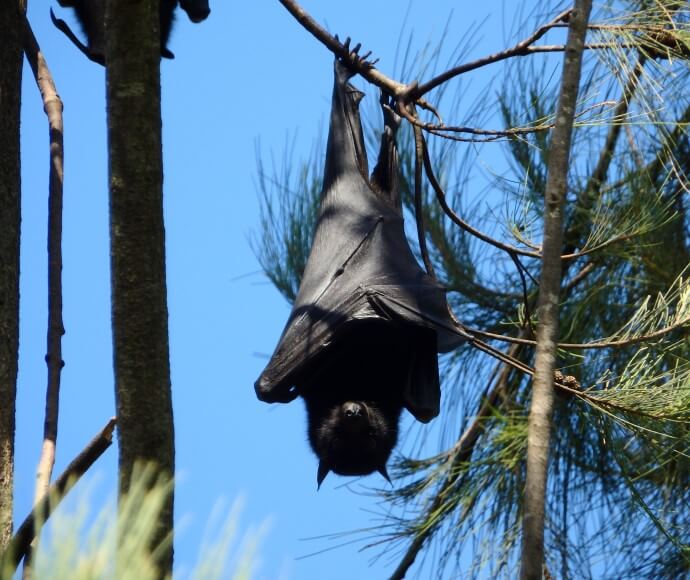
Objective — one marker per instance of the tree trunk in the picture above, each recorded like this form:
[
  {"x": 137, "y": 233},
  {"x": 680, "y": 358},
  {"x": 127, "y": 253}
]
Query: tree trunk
[
  {"x": 139, "y": 305},
  {"x": 11, "y": 26},
  {"x": 541, "y": 410}
]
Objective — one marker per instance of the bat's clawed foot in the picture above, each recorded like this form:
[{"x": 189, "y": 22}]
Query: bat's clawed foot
[
  {"x": 353, "y": 56},
  {"x": 391, "y": 117}
]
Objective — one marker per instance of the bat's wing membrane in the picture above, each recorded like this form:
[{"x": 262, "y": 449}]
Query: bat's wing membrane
[{"x": 361, "y": 271}]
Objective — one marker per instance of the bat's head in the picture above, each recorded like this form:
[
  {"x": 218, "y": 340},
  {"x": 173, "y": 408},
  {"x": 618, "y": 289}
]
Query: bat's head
[{"x": 354, "y": 438}]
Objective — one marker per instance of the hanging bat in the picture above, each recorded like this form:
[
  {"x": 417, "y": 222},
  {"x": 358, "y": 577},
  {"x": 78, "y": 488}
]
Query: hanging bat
[
  {"x": 91, "y": 17},
  {"x": 362, "y": 339}
]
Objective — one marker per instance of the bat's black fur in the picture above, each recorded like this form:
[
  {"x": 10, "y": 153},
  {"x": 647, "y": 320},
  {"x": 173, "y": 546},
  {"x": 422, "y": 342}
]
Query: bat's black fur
[
  {"x": 91, "y": 17},
  {"x": 354, "y": 402},
  {"x": 197, "y": 10}
]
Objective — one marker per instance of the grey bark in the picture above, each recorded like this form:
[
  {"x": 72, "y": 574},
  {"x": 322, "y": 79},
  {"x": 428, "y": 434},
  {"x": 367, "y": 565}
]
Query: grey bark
[
  {"x": 541, "y": 410},
  {"x": 139, "y": 303},
  {"x": 11, "y": 19}
]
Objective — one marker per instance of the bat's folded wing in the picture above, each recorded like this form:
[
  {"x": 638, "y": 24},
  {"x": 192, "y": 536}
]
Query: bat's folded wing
[
  {"x": 361, "y": 272},
  {"x": 314, "y": 332}
]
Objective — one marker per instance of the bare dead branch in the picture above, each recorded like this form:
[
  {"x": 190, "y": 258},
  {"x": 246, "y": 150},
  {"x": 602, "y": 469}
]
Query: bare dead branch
[
  {"x": 31, "y": 526},
  {"x": 491, "y": 134},
  {"x": 53, "y": 108}
]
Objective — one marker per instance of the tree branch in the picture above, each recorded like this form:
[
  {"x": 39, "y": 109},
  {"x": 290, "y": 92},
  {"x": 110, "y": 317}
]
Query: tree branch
[
  {"x": 586, "y": 345},
  {"x": 520, "y": 49},
  {"x": 31, "y": 526},
  {"x": 541, "y": 408},
  {"x": 342, "y": 51},
  {"x": 441, "y": 196},
  {"x": 53, "y": 108},
  {"x": 413, "y": 92},
  {"x": 512, "y": 250},
  {"x": 490, "y": 135}
]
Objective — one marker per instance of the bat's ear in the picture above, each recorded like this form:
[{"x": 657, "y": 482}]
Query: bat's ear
[
  {"x": 322, "y": 473},
  {"x": 382, "y": 470}
]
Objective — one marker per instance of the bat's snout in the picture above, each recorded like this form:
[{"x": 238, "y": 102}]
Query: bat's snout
[{"x": 353, "y": 410}]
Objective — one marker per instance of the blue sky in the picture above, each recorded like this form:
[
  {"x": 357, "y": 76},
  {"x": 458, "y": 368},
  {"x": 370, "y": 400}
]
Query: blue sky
[{"x": 248, "y": 73}]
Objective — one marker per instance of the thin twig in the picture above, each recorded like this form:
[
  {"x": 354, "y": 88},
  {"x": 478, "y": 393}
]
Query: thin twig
[
  {"x": 342, "y": 50},
  {"x": 511, "y": 250},
  {"x": 500, "y": 355},
  {"x": 519, "y": 49},
  {"x": 490, "y": 135},
  {"x": 529, "y": 50},
  {"x": 413, "y": 92},
  {"x": 31, "y": 526},
  {"x": 525, "y": 300},
  {"x": 581, "y": 275},
  {"x": 586, "y": 345},
  {"x": 609, "y": 242},
  {"x": 441, "y": 196},
  {"x": 53, "y": 108}
]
